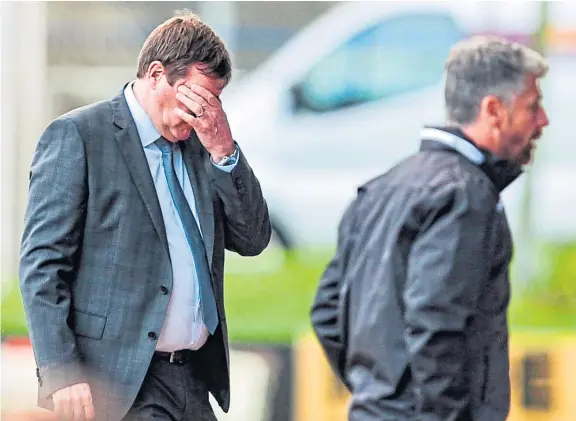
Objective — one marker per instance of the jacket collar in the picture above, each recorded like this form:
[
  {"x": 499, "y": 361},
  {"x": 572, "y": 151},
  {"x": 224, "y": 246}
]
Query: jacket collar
[{"x": 500, "y": 171}]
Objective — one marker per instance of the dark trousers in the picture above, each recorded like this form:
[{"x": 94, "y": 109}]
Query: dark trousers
[{"x": 172, "y": 392}]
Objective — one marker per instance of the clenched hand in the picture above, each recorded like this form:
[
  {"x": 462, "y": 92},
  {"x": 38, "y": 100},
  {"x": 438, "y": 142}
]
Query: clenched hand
[{"x": 74, "y": 402}]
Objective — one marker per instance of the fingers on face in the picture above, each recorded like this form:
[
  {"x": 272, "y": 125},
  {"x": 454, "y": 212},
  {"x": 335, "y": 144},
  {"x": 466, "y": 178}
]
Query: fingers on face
[
  {"x": 197, "y": 99},
  {"x": 194, "y": 96},
  {"x": 188, "y": 118},
  {"x": 191, "y": 103},
  {"x": 201, "y": 92}
]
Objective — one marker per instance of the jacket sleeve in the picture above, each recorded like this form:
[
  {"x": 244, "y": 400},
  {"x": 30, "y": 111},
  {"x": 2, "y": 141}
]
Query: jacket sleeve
[
  {"x": 328, "y": 320},
  {"x": 248, "y": 228},
  {"x": 447, "y": 267},
  {"x": 53, "y": 227}
]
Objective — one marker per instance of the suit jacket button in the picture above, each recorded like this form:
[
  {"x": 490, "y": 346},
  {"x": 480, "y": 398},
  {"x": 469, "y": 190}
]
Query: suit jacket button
[
  {"x": 164, "y": 290},
  {"x": 152, "y": 335}
]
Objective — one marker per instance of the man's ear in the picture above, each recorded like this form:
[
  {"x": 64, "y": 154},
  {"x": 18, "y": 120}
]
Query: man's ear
[
  {"x": 493, "y": 111},
  {"x": 155, "y": 72}
]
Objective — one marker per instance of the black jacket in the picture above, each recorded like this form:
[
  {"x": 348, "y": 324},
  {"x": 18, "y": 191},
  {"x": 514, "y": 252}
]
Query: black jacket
[{"x": 411, "y": 311}]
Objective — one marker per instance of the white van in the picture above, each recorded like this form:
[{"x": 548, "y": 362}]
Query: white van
[{"x": 345, "y": 99}]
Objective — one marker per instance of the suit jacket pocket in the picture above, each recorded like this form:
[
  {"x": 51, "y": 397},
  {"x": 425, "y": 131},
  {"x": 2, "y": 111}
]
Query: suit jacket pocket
[{"x": 87, "y": 324}]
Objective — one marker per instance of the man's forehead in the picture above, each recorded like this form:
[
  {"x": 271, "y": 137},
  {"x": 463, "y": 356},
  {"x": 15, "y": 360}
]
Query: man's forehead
[
  {"x": 197, "y": 76},
  {"x": 532, "y": 90},
  {"x": 214, "y": 86}
]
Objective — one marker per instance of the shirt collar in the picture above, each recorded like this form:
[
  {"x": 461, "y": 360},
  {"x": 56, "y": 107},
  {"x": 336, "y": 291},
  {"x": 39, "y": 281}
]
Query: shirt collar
[
  {"x": 146, "y": 130},
  {"x": 502, "y": 172},
  {"x": 468, "y": 149}
]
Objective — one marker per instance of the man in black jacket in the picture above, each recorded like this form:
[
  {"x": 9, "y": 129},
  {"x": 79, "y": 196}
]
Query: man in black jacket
[{"x": 411, "y": 311}]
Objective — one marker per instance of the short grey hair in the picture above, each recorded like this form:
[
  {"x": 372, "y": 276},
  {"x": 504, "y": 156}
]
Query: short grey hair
[{"x": 486, "y": 65}]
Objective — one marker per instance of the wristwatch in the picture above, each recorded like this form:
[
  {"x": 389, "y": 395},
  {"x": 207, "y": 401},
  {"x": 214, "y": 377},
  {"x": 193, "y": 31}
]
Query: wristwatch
[{"x": 229, "y": 159}]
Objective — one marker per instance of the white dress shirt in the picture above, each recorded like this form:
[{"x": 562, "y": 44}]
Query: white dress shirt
[{"x": 183, "y": 327}]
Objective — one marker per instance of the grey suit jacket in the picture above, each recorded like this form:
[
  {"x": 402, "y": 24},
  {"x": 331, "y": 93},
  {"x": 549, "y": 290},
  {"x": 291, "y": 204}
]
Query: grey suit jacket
[{"x": 94, "y": 254}]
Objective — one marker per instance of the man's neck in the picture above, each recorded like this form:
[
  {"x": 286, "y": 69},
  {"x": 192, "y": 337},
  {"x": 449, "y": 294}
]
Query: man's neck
[
  {"x": 480, "y": 137},
  {"x": 142, "y": 94}
]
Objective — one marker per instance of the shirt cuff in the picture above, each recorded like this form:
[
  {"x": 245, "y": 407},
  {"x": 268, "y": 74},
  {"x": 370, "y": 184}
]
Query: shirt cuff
[{"x": 231, "y": 163}]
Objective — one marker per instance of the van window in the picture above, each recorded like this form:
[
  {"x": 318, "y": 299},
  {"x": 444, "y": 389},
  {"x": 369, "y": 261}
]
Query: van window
[{"x": 395, "y": 56}]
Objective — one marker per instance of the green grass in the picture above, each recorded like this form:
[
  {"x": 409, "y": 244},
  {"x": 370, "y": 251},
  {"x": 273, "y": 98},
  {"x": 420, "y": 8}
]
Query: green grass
[
  {"x": 536, "y": 313},
  {"x": 538, "y": 318},
  {"x": 550, "y": 302},
  {"x": 13, "y": 319},
  {"x": 274, "y": 307}
]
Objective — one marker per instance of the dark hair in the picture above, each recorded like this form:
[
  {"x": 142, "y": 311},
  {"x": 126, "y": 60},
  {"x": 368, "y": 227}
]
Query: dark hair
[{"x": 181, "y": 41}]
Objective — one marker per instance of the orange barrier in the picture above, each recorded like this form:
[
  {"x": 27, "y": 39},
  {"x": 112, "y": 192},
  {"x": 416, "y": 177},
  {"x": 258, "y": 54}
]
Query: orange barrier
[
  {"x": 560, "y": 40},
  {"x": 542, "y": 375},
  {"x": 318, "y": 394}
]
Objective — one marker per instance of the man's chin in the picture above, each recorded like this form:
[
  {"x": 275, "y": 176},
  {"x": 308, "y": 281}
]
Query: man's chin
[
  {"x": 527, "y": 156},
  {"x": 182, "y": 134}
]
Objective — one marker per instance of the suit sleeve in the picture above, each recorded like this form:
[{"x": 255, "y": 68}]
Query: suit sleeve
[
  {"x": 248, "y": 228},
  {"x": 447, "y": 267},
  {"x": 330, "y": 301},
  {"x": 53, "y": 227}
]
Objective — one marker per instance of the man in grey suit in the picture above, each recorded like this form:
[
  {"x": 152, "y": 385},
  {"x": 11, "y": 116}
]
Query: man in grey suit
[{"x": 132, "y": 203}]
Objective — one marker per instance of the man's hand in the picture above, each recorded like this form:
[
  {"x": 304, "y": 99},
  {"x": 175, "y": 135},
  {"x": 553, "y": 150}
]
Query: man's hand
[
  {"x": 210, "y": 123},
  {"x": 74, "y": 403}
]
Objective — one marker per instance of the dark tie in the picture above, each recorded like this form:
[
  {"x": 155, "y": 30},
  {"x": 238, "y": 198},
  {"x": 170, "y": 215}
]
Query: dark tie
[{"x": 207, "y": 302}]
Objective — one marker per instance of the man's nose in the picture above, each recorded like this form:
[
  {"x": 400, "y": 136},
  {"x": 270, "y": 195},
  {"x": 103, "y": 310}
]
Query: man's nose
[{"x": 543, "y": 119}]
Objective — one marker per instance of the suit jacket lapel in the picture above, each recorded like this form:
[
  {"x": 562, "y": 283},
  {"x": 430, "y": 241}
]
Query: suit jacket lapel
[
  {"x": 192, "y": 156},
  {"x": 133, "y": 153}
]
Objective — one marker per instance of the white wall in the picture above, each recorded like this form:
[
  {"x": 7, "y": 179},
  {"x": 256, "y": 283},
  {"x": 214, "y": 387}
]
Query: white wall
[{"x": 24, "y": 110}]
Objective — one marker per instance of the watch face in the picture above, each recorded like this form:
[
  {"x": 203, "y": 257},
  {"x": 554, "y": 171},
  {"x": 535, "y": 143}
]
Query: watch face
[{"x": 227, "y": 160}]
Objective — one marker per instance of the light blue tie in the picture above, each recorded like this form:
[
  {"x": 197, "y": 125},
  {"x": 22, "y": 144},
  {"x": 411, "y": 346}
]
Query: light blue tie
[{"x": 207, "y": 302}]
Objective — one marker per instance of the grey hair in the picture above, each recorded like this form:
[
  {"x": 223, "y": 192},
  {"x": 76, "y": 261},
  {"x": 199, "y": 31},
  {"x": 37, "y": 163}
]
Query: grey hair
[{"x": 486, "y": 65}]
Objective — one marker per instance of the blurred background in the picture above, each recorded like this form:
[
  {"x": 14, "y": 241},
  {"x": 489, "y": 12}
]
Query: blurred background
[{"x": 325, "y": 95}]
